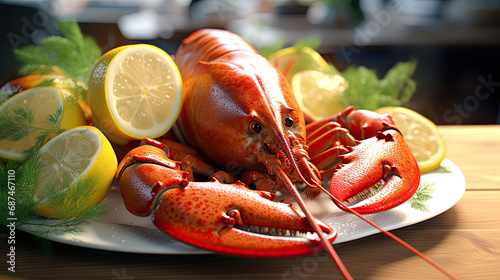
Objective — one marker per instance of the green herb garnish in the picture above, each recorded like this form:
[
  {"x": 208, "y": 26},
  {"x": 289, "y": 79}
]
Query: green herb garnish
[
  {"x": 3, "y": 96},
  {"x": 312, "y": 42},
  {"x": 72, "y": 54},
  {"x": 422, "y": 195},
  {"x": 69, "y": 202},
  {"x": 19, "y": 122},
  {"x": 23, "y": 183},
  {"x": 77, "y": 89},
  {"x": 444, "y": 169},
  {"x": 366, "y": 91}
]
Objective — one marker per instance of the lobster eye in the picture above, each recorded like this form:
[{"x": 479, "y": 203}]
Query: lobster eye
[
  {"x": 288, "y": 122},
  {"x": 256, "y": 127}
]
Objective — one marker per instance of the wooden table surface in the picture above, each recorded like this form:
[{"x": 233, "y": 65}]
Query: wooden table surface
[{"x": 465, "y": 240}]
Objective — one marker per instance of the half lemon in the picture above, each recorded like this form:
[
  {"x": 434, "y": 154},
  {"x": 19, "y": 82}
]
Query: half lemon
[
  {"x": 77, "y": 170},
  {"x": 33, "y": 116},
  {"x": 135, "y": 92}
]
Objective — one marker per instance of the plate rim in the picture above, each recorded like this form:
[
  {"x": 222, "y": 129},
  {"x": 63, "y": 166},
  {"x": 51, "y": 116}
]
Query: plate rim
[{"x": 175, "y": 247}]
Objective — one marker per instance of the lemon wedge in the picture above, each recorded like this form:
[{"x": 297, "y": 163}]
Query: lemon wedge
[
  {"x": 79, "y": 166},
  {"x": 422, "y": 135},
  {"x": 27, "y": 115},
  {"x": 318, "y": 93},
  {"x": 293, "y": 60},
  {"x": 135, "y": 92}
]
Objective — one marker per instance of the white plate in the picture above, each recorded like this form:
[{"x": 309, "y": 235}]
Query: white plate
[{"x": 121, "y": 231}]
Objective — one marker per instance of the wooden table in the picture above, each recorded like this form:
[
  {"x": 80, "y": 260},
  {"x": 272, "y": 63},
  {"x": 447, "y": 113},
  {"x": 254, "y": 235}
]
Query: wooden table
[{"x": 465, "y": 240}]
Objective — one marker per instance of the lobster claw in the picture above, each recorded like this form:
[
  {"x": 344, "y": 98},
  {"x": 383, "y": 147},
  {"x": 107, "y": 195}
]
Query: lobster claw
[
  {"x": 384, "y": 159},
  {"x": 228, "y": 219},
  {"x": 233, "y": 220}
]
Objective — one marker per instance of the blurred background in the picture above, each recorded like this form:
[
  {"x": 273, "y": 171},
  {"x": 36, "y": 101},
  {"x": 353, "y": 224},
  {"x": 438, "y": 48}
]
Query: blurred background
[{"x": 455, "y": 42}]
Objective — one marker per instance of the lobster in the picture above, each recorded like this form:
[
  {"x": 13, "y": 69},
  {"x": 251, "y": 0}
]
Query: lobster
[{"x": 239, "y": 111}]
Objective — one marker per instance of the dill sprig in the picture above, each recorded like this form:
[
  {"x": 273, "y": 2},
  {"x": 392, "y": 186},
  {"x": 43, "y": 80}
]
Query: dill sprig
[
  {"x": 444, "y": 169},
  {"x": 69, "y": 201},
  {"x": 367, "y": 91},
  {"x": 19, "y": 122},
  {"x": 73, "y": 54},
  {"x": 72, "y": 201},
  {"x": 422, "y": 195},
  {"x": 25, "y": 179},
  {"x": 3, "y": 96},
  {"x": 70, "y": 204},
  {"x": 77, "y": 89}
]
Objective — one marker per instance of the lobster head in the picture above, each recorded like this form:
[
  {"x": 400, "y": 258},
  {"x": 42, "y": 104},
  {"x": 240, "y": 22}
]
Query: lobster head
[{"x": 254, "y": 116}]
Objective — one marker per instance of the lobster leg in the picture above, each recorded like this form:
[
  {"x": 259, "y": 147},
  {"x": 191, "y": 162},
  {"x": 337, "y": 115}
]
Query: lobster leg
[
  {"x": 261, "y": 180},
  {"x": 314, "y": 132},
  {"x": 193, "y": 165},
  {"x": 189, "y": 158},
  {"x": 224, "y": 177},
  {"x": 329, "y": 160},
  {"x": 329, "y": 139}
]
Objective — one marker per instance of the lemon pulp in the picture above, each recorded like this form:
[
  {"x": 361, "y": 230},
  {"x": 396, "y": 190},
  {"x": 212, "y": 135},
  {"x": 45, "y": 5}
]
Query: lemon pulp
[{"x": 318, "y": 93}]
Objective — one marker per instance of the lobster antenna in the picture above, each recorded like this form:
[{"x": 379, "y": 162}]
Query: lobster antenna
[
  {"x": 394, "y": 237},
  {"x": 326, "y": 244}
]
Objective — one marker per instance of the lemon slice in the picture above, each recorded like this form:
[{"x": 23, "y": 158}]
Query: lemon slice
[
  {"x": 292, "y": 60},
  {"x": 318, "y": 93},
  {"x": 79, "y": 166},
  {"x": 135, "y": 92},
  {"x": 27, "y": 119},
  {"x": 423, "y": 137}
]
